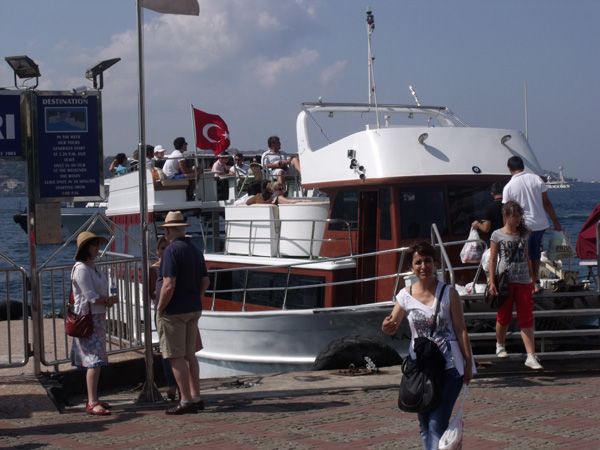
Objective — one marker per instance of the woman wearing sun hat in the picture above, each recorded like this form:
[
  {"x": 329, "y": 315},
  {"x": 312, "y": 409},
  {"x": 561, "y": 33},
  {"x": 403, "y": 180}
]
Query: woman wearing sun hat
[{"x": 90, "y": 292}]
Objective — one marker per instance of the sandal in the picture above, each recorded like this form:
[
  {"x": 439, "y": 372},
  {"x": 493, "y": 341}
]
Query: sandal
[
  {"x": 105, "y": 405},
  {"x": 96, "y": 409}
]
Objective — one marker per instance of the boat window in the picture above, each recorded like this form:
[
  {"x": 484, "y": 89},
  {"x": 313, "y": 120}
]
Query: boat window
[
  {"x": 345, "y": 207},
  {"x": 269, "y": 295},
  {"x": 385, "y": 226},
  {"x": 419, "y": 208},
  {"x": 466, "y": 204}
]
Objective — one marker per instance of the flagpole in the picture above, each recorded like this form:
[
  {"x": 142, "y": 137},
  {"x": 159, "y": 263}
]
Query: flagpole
[{"x": 149, "y": 391}]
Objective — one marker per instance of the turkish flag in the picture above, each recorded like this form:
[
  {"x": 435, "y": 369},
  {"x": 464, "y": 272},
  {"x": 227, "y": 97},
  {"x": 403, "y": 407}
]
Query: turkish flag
[{"x": 211, "y": 132}]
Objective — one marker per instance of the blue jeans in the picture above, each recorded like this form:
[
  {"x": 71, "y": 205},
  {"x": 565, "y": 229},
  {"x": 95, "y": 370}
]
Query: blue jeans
[{"x": 433, "y": 423}]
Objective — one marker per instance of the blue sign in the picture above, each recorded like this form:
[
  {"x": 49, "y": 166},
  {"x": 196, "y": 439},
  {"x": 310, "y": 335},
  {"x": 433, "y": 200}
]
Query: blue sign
[
  {"x": 10, "y": 125},
  {"x": 68, "y": 150}
]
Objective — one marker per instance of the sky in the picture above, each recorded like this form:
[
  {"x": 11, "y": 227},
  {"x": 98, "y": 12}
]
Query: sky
[{"x": 253, "y": 62}]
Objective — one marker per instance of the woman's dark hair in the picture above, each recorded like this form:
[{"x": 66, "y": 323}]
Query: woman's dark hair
[
  {"x": 83, "y": 253},
  {"x": 160, "y": 241},
  {"x": 267, "y": 191},
  {"x": 254, "y": 188},
  {"x": 121, "y": 158},
  {"x": 422, "y": 248},
  {"x": 512, "y": 208}
]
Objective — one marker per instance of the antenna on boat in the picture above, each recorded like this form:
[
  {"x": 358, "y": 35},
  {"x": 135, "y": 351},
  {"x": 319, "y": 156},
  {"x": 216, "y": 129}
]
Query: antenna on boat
[
  {"x": 414, "y": 94},
  {"x": 372, "y": 93},
  {"x": 526, "y": 114}
]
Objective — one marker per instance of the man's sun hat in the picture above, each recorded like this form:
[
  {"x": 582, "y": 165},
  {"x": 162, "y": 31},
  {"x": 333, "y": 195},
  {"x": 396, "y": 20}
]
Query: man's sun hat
[
  {"x": 175, "y": 219},
  {"x": 159, "y": 149},
  {"x": 84, "y": 238}
]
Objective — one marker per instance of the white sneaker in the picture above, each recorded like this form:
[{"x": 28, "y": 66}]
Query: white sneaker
[
  {"x": 532, "y": 362},
  {"x": 501, "y": 351}
]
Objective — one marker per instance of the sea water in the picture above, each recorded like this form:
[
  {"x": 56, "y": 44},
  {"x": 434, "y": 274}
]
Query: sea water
[{"x": 573, "y": 206}]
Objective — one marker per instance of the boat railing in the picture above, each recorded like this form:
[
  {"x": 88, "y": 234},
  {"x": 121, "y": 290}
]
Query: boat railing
[
  {"x": 124, "y": 320},
  {"x": 446, "y": 265},
  {"x": 287, "y": 268},
  {"x": 306, "y": 243}
]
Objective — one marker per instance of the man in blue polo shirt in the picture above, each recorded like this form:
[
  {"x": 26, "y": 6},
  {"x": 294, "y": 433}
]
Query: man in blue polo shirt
[{"x": 185, "y": 279}]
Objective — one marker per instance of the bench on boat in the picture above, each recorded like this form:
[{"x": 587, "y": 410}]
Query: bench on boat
[
  {"x": 161, "y": 181},
  {"x": 252, "y": 230},
  {"x": 293, "y": 230},
  {"x": 302, "y": 228}
]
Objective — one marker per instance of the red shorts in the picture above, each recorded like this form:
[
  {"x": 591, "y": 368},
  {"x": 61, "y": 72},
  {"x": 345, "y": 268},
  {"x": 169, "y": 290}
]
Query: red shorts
[{"x": 520, "y": 295}]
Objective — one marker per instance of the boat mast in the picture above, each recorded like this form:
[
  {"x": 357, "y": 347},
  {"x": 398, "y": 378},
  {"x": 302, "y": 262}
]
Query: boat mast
[
  {"x": 371, "y": 59},
  {"x": 526, "y": 114}
]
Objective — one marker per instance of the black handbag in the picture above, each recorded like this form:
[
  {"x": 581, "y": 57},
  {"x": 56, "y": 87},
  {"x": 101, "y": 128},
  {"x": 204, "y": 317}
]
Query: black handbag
[
  {"x": 495, "y": 301},
  {"x": 422, "y": 378}
]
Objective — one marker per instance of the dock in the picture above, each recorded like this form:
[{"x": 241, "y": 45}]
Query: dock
[{"x": 555, "y": 409}]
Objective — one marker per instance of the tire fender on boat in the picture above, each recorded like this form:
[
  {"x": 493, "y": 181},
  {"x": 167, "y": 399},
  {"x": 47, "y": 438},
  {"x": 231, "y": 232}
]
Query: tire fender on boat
[{"x": 342, "y": 352}]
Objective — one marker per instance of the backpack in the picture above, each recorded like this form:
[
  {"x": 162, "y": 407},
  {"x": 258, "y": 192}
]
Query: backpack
[{"x": 421, "y": 384}]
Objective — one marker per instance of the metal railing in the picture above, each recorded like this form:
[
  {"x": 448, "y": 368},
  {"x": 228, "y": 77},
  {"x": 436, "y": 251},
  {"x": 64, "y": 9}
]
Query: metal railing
[
  {"x": 288, "y": 269},
  {"x": 14, "y": 324},
  {"x": 275, "y": 224},
  {"x": 124, "y": 320}
]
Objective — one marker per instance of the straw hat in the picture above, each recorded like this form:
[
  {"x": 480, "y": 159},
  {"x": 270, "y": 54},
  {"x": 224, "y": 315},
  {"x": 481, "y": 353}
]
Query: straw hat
[
  {"x": 84, "y": 238},
  {"x": 175, "y": 219}
]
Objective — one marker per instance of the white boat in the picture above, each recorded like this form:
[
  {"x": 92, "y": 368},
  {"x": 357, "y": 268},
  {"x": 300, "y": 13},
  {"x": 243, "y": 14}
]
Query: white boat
[
  {"x": 559, "y": 183},
  {"x": 75, "y": 215},
  {"x": 294, "y": 285}
]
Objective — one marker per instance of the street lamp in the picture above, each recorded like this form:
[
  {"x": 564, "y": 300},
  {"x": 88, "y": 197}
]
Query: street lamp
[
  {"x": 24, "y": 67},
  {"x": 97, "y": 71}
]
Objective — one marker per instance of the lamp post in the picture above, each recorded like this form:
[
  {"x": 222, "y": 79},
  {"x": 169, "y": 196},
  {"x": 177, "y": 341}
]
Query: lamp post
[
  {"x": 96, "y": 73},
  {"x": 25, "y": 68}
]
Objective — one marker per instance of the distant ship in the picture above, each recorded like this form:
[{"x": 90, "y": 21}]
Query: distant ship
[{"x": 559, "y": 183}]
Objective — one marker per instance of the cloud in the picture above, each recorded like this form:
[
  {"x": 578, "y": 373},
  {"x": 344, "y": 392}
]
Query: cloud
[
  {"x": 269, "y": 72},
  {"x": 331, "y": 73}
]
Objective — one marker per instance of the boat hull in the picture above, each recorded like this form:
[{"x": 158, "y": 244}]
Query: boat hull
[{"x": 281, "y": 341}]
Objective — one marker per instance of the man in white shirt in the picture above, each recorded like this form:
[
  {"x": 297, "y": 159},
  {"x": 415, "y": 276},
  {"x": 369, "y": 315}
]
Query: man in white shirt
[
  {"x": 176, "y": 167},
  {"x": 529, "y": 191},
  {"x": 278, "y": 162},
  {"x": 239, "y": 168}
]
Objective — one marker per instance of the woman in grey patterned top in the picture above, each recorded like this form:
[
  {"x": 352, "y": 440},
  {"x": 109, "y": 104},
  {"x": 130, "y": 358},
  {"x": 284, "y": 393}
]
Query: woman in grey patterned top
[{"x": 508, "y": 251}]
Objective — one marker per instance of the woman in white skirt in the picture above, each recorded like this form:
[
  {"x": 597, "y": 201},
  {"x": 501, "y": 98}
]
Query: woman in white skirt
[{"x": 90, "y": 293}]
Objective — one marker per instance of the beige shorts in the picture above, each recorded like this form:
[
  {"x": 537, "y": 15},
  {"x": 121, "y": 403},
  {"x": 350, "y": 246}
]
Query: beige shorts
[{"x": 177, "y": 334}]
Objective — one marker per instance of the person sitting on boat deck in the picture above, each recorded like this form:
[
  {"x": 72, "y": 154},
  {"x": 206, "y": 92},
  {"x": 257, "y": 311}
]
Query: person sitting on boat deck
[
  {"x": 241, "y": 170},
  {"x": 220, "y": 169},
  {"x": 529, "y": 191},
  {"x": 159, "y": 157},
  {"x": 492, "y": 217},
  {"x": 279, "y": 197},
  {"x": 278, "y": 162},
  {"x": 264, "y": 196},
  {"x": 175, "y": 167},
  {"x": 253, "y": 189},
  {"x": 185, "y": 279},
  {"x": 149, "y": 156},
  {"x": 134, "y": 160},
  {"x": 118, "y": 166}
]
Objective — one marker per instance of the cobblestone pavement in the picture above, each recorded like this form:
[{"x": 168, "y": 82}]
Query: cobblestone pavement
[{"x": 517, "y": 412}]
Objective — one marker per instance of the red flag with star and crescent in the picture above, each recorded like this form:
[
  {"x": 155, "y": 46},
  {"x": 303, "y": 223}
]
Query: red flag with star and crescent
[{"x": 211, "y": 131}]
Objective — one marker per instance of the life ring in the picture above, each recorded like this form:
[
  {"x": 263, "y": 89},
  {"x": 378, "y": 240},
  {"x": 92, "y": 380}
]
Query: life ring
[{"x": 342, "y": 352}]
